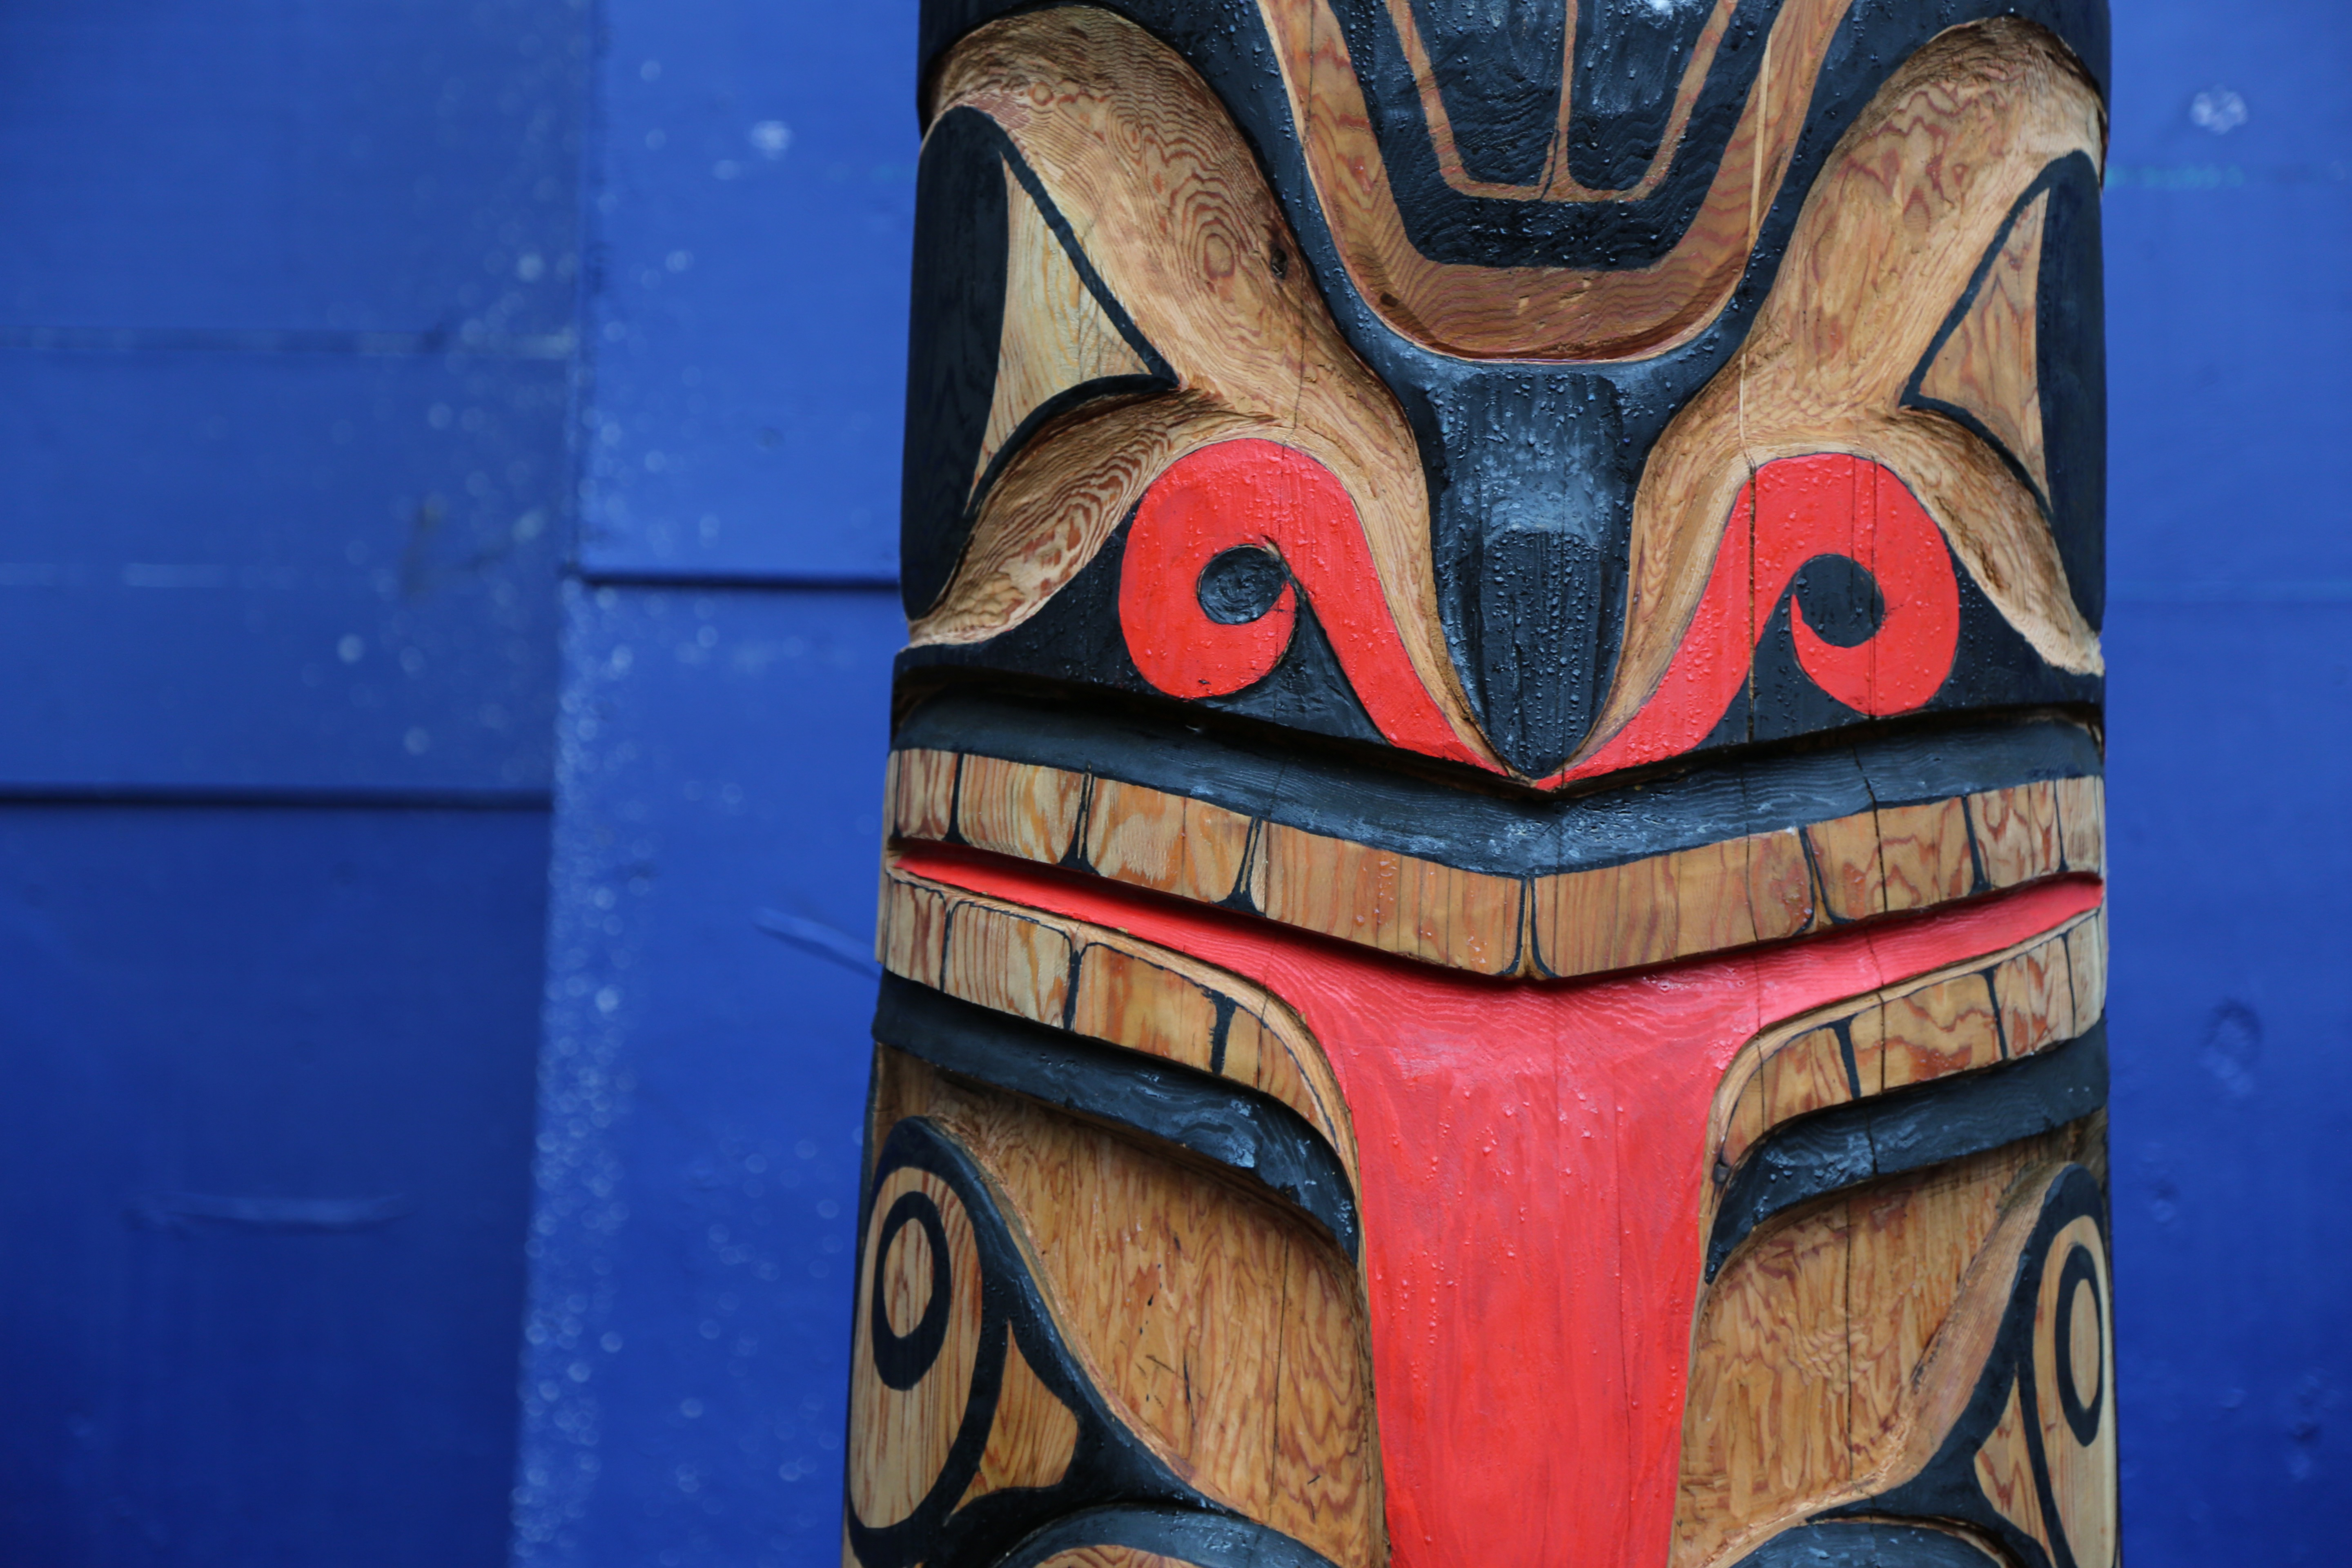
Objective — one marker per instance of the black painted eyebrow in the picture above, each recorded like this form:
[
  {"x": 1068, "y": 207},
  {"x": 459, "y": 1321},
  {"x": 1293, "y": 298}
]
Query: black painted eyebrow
[
  {"x": 1909, "y": 1130},
  {"x": 1238, "y": 1128}
]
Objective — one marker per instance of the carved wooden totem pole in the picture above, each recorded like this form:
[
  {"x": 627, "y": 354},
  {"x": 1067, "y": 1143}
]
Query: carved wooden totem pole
[{"x": 1493, "y": 907}]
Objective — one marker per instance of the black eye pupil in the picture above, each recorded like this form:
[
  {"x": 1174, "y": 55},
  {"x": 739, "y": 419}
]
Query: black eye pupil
[
  {"x": 1241, "y": 584},
  {"x": 1841, "y": 600}
]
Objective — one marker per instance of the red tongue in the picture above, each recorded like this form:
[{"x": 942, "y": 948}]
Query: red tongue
[{"x": 1532, "y": 1157}]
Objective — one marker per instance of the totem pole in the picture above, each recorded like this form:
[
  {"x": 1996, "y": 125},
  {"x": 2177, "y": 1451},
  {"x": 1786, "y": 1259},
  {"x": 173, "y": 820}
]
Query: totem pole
[{"x": 1492, "y": 909}]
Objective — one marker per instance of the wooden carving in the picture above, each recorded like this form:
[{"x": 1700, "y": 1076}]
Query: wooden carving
[{"x": 1494, "y": 904}]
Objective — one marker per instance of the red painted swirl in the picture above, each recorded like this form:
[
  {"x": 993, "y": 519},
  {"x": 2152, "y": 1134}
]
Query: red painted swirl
[
  {"x": 1261, "y": 495},
  {"x": 1793, "y": 509}
]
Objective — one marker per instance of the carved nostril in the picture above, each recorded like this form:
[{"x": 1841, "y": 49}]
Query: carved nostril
[{"x": 1241, "y": 584}]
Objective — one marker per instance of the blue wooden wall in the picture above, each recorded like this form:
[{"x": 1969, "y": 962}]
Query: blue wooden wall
[
  {"x": 288, "y": 316},
  {"x": 360, "y": 506}
]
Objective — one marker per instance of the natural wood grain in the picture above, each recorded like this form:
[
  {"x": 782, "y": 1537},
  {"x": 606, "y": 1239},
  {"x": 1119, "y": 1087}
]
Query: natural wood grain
[
  {"x": 1055, "y": 336},
  {"x": 1890, "y": 234},
  {"x": 1397, "y": 903},
  {"x": 1017, "y": 809},
  {"x": 1807, "y": 1074},
  {"x": 1923, "y": 855},
  {"x": 1165, "y": 842},
  {"x": 912, "y": 929},
  {"x": 1111, "y": 1557},
  {"x": 1015, "y": 963},
  {"x": 2083, "y": 1478},
  {"x": 1988, "y": 366},
  {"x": 2004, "y": 1472},
  {"x": 2016, "y": 833},
  {"x": 1185, "y": 233},
  {"x": 1035, "y": 1436},
  {"x": 1763, "y": 887},
  {"x": 1200, "y": 1312},
  {"x": 1129, "y": 994},
  {"x": 1951, "y": 1025},
  {"x": 1846, "y": 859},
  {"x": 2086, "y": 960},
  {"x": 2082, "y": 824},
  {"x": 1814, "y": 1354},
  {"x": 2009, "y": 1004},
  {"x": 1543, "y": 313},
  {"x": 898, "y": 1439},
  {"x": 921, "y": 789},
  {"x": 2036, "y": 995},
  {"x": 1743, "y": 891},
  {"x": 1145, "y": 1007}
]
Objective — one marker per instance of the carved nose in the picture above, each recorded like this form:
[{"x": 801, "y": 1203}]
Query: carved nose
[{"x": 1533, "y": 513}]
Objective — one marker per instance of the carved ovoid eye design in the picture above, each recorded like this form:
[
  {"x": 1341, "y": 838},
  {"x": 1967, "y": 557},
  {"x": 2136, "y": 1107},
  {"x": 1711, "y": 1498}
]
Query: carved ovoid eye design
[
  {"x": 1813, "y": 530},
  {"x": 2072, "y": 1362},
  {"x": 919, "y": 1344},
  {"x": 1222, "y": 546}
]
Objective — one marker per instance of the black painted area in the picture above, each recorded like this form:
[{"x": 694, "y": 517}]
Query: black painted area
[
  {"x": 963, "y": 229},
  {"x": 1205, "y": 1538},
  {"x": 1532, "y": 528},
  {"x": 1946, "y": 1487},
  {"x": 2071, "y": 348},
  {"x": 1864, "y": 1544},
  {"x": 1631, "y": 56},
  {"x": 1076, "y": 638},
  {"x": 1241, "y": 585},
  {"x": 1238, "y": 1128},
  {"x": 1992, "y": 665},
  {"x": 1491, "y": 80},
  {"x": 1498, "y": 75},
  {"x": 2070, "y": 367},
  {"x": 1910, "y": 1130},
  {"x": 1504, "y": 833},
  {"x": 1838, "y": 599},
  {"x": 1108, "y": 1464},
  {"x": 956, "y": 318}
]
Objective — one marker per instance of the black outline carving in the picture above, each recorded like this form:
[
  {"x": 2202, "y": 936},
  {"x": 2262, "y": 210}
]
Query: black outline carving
[
  {"x": 1182, "y": 1535},
  {"x": 1109, "y": 1465},
  {"x": 956, "y": 343},
  {"x": 1909, "y": 1130},
  {"x": 1496, "y": 832},
  {"x": 901, "y": 1360},
  {"x": 2082, "y": 1420},
  {"x": 1865, "y": 1544},
  {"x": 1946, "y": 1487},
  {"x": 1238, "y": 1128}
]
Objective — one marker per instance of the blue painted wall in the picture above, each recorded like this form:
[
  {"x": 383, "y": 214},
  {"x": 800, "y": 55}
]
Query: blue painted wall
[
  {"x": 2229, "y": 635},
  {"x": 356, "y": 507},
  {"x": 2229, "y": 641},
  {"x": 287, "y": 314}
]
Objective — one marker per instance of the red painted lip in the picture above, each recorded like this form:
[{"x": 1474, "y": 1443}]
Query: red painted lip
[{"x": 1533, "y": 1157}]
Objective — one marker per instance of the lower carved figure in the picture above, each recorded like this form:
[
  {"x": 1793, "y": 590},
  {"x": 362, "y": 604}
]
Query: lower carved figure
[{"x": 1494, "y": 911}]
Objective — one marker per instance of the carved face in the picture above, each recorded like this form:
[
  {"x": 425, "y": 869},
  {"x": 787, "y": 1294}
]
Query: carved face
[
  {"x": 1555, "y": 416},
  {"x": 1529, "y": 532}
]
